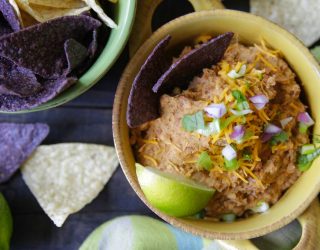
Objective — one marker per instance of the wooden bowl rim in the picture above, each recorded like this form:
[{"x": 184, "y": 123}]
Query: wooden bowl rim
[{"x": 178, "y": 222}]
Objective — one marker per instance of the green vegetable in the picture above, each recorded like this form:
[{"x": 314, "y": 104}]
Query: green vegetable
[
  {"x": 261, "y": 207},
  {"x": 204, "y": 161},
  {"x": 193, "y": 122},
  {"x": 248, "y": 134},
  {"x": 307, "y": 149},
  {"x": 242, "y": 103},
  {"x": 229, "y": 217},
  {"x": 231, "y": 165},
  {"x": 211, "y": 128},
  {"x": 316, "y": 52},
  {"x": 304, "y": 161},
  {"x": 200, "y": 215},
  {"x": 279, "y": 138},
  {"x": 303, "y": 128},
  {"x": 247, "y": 156},
  {"x": 226, "y": 122}
]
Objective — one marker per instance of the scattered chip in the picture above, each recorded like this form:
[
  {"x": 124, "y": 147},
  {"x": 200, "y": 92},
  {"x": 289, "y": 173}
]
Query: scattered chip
[
  {"x": 17, "y": 143},
  {"x": 45, "y": 54},
  {"x": 51, "y": 88},
  {"x": 191, "y": 64},
  {"x": 44, "y": 13},
  {"x": 66, "y": 177},
  {"x": 298, "y": 16},
  {"x": 143, "y": 104},
  {"x": 100, "y": 12},
  {"x": 66, "y": 4},
  {"x": 11, "y": 13}
]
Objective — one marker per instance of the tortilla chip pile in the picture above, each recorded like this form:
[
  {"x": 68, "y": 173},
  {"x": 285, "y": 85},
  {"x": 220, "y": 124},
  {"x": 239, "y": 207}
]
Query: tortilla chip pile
[
  {"x": 301, "y": 17},
  {"x": 33, "y": 71},
  {"x": 158, "y": 76},
  {"x": 66, "y": 177}
]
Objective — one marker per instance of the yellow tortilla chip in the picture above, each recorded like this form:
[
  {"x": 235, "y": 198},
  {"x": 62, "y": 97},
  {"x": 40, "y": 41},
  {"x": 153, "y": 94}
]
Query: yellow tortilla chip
[
  {"x": 67, "y": 4},
  {"x": 298, "y": 16},
  {"x": 65, "y": 177},
  {"x": 97, "y": 8},
  {"x": 43, "y": 13}
]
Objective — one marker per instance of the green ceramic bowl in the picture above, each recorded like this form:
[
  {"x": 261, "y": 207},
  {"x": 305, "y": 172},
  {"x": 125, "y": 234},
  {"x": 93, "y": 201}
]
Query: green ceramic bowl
[{"x": 124, "y": 13}]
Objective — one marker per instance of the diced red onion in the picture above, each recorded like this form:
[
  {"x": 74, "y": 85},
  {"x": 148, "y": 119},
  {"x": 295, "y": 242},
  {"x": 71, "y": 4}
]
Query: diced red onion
[
  {"x": 266, "y": 137},
  {"x": 238, "y": 132},
  {"x": 259, "y": 101},
  {"x": 229, "y": 152},
  {"x": 242, "y": 112},
  {"x": 272, "y": 129},
  {"x": 305, "y": 118},
  {"x": 284, "y": 122},
  {"x": 216, "y": 110}
]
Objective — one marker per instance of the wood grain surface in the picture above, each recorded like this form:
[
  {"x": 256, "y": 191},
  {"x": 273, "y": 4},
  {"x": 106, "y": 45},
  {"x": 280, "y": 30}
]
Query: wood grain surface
[{"x": 88, "y": 119}]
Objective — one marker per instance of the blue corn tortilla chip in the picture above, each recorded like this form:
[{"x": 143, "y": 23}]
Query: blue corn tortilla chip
[
  {"x": 184, "y": 69},
  {"x": 4, "y": 26},
  {"x": 40, "y": 48},
  {"x": 143, "y": 104},
  {"x": 17, "y": 80},
  {"x": 10, "y": 15},
  {"x": 17, "y": 143},
  {"x": 76, "y": 53},
  {"x": 51, "y": 88}
]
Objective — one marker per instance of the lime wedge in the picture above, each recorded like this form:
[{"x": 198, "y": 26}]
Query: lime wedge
[
  {"x": 5, "y": 224},
  {"x": 172, "y": 194}
]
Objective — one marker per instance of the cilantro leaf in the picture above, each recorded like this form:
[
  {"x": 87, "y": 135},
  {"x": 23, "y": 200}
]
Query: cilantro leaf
[
  {"x": 204, "y": 161},
  {"x": 316, "y": 52},
  {"x": 279, "y": 138},
  {"x": 193, "y": 122}
]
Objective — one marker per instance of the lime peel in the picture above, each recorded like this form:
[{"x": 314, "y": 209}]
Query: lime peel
[{"x": 173, "y": 194}]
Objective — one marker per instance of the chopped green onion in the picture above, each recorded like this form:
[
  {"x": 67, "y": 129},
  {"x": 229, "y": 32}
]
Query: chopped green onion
[
  {"x": 193, "y": 122},
  {"x": 246, "y": 136},
  {"x": 247, "y": 156},
  {"x": 242, "y": 102},
  {"x": 307, "y": 149},
  {"x": 237, "y": 74},
  {"x": 303, "y": 128},
  {"x": 229, "y": 217},
  {"x": 204, "y": 161},
  {"x": 261, "y": 207},
  {"x": 211, "y": 128},
  {"x": 226, "y": 122},
  {"x": 304, "y": 161},
  {"x": 231, "y": 165},
  {"x": 279, "y": 138}
]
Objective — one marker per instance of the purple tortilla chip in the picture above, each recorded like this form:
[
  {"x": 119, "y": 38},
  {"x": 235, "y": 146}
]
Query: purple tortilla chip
[
  {"x": 183, "y": 70},
  {"x": 4, "y": 26},
  {"x": 17, "y": 80},
  {"x": 51, "y": 88},
  {"x": 10, "y": 15},
  {"x": 76, "y": 53},
  {"x": 143, "y": 104},
  {"x": 40, "y": 48},
  {"x": 17, "y": 143}
]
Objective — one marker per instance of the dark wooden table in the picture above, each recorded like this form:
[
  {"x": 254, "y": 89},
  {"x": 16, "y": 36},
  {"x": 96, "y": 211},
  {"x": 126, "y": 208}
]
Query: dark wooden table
[{"x": 88, "y": 119}]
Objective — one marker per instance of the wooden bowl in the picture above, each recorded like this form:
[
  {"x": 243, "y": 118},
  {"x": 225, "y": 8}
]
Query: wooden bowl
[{"x": 251, "y": 29}]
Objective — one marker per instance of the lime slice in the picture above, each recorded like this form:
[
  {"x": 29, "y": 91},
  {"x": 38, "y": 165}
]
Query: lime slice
[
  {"x": 5, "y": 224},
  {"x": 172, "y": 194}
]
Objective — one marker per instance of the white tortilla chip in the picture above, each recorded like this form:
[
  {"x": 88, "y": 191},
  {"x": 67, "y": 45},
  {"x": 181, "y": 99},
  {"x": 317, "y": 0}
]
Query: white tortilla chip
[
  {"x": 43, "y": 13},
  {"x": 301, "y": 17},
  {"x": 65, "y": 177},
  {"x": 68, "y": 4},
  {"x": 97, "y": 8}
]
